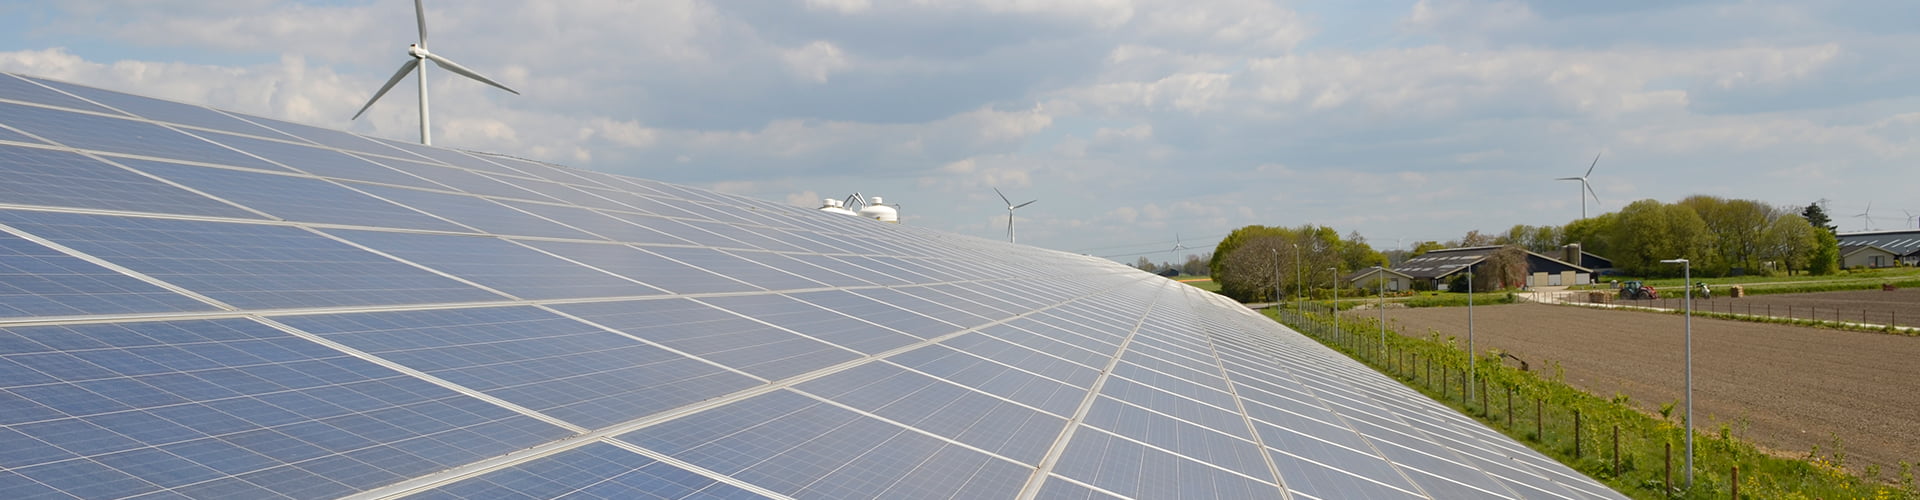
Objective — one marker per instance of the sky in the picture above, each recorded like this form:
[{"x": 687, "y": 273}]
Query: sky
[{"x": 1132, "y": 123}]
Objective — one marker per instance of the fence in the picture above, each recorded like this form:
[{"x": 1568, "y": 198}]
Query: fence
[
  {"x": 1639, "y": 454},
  {"x": 1774, "y": 310}
]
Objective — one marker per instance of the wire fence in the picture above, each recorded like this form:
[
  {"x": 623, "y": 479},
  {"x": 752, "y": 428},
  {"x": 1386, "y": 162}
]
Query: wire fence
[{"x": 1772, "y": 310}]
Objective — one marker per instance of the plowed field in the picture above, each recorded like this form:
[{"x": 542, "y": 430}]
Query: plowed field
[{"x": 1786, "y": 388}]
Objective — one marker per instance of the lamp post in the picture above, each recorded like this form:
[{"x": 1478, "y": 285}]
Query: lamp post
[
  {"x": 1380, "y": 280},
  {"x": 1687, "y": 269},
  {"x": 1276, "y": 280},
  {"x": 1336, "y": 303},
  {"x": 1299, "y": 283},
  {"x": 1470, "y": 356}
]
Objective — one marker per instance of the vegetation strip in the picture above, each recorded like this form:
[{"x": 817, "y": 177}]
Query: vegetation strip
[{"x": 1636, "y": 453}]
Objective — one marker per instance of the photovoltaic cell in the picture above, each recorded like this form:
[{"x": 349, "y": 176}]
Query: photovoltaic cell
[
  {"x": 1134, "y": 470},
  {"x": 476, "y": 212},
  {"x": 162, "y": 110},
  {"x": 39, "y": 281},
  {"x": 841, "y": 455},
  {"x": 10, "y": 135},
  {"x": 117, "y": 135},
  {"x": 645, "y": 267},
  {"x": 829, "y": 326},
  {"x": 294, "y": 198},
  {"x": 798, "y": 267},
  {"x": 450, "y": 157},
  {"x": 228, "y": 407},
  {"x": 61, "y": 179},
  {"x": 945, "y": 409},
  {"x": 1053, "y": 396},
  {"x": 880, "y": 313},
  {"x": 247, "y": 265},
  {"x": 597, "y": 470},
  {"x": 575, "y": 372},
  {"x": 714, "y": 335},
  {"x": 498, "y": 264},
  {"x": 597, "y": 223},
  {"x": 321, "y": 162},
  {"x": 726, "y": 264},
  {"x": 20, "y": 89}
]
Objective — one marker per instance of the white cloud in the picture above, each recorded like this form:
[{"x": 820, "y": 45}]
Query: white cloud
[{"x": 814, "y": 61}]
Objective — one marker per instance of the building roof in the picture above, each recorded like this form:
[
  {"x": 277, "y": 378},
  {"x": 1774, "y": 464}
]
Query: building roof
[
  {"x": 1898, "y": 241},
  {"x": 1444, "y": 262},
  {"x": 1847, "y": 250},
  {"x": 1369, "y": 272}
]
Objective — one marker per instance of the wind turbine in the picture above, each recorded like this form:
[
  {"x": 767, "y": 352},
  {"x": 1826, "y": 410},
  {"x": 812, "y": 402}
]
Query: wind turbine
[
  {"x": 418, "y": 53},
  {"x": 1177, "y": 247},
  {"x": 1586, "y": 189},
  {"x": 1010, "y": 208},
  {"x": 1866, "y": 218}
]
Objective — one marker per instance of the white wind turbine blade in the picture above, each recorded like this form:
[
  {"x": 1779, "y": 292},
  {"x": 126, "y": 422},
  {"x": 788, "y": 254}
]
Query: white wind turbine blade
[
  {"x": 1596, "y": 196},
  {"x": 1566, "y": 178},
  {"x": 449, "y": 65},
  {"x": 1030, "y": 202},
  {"x": 397, "y": 75},
  {"x": 1596, "y": 162},
  {"x": 1003, "y": 196},
  {"x": 420, "y": 17}
]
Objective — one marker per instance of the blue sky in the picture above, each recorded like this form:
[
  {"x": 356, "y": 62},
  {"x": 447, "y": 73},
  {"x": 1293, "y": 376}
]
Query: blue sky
[{"x": 1130, "y": 121}]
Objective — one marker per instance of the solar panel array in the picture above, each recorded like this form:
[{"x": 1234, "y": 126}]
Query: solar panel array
[{"x": 201, "y": 304}]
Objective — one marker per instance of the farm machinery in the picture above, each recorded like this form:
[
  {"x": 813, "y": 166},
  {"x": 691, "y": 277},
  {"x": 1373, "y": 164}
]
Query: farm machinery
[{"x": 1635, "y": 290}]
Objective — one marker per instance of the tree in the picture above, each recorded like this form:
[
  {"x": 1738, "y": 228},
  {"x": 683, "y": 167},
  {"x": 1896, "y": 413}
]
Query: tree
[
  {"x": 1818, "y": 218},
  {"x": 1649, "y": 231},
  {"x": 1145, "y": 264},
  {"x": 1790, "y": 242},
  {"x": 1475, "y": 239},
  {"x": 1825, "y": 258},
  {"x": 1593, "y": 233},
  {"x": 1256, "y": 270},
  {"x": 1503, "y": 268},
  {"x": 1423, "y": 247},
  {"x": 1196, "y": 265}
]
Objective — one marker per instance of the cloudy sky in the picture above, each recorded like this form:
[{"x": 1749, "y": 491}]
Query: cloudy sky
[{"x": 1130, "y": 120}]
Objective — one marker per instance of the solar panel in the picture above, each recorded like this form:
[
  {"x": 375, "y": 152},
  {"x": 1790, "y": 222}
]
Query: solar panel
[{"x": 196, "y": 303}]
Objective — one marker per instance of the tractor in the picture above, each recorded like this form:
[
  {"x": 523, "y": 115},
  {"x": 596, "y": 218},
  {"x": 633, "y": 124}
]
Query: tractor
[{"x": 1634, "y": 290}]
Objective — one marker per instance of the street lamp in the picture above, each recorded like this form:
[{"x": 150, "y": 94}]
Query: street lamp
[
  {"x": 1276, "y": 281},
  {"x": 1470, "y": 356},
  {"x": 1687, "y": 269},
  {"x": 1299, "y": 280},
  {"x": 1380, "y": 280},
  {"x": 1336, "y": 303}
]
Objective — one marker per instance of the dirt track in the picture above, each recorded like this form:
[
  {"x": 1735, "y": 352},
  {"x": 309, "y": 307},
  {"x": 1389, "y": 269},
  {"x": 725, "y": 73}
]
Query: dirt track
[{"x": 1783, "y": 387}]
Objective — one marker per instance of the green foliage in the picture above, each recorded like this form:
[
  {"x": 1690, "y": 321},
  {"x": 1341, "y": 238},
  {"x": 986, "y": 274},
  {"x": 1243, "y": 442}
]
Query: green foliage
[
  {"x": 1649, "y": 231},
  {"x": 1818, "y": 218},
  {"x": 1263, "y": 263},
  {"x": 1825, "y": 258}
]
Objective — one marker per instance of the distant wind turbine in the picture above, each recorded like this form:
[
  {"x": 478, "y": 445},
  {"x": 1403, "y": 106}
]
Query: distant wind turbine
[
  {"x": 1586, "y": 189},
  {"x": 1177, "y": 247},
  {"x": 1866, "y": 218},
  {"x": 1010, "y": 208},
  {"x": 419, "y": 53}
]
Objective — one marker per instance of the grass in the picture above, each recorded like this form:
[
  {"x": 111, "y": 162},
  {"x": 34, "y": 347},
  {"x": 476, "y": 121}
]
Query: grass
[
  {"x": 1542, "y": 411},
  {"x": 1207, "y": 284}
]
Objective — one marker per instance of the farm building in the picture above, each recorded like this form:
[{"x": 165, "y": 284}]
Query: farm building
[
  {"x": 1865, "y": 255},
  {"x": 1380, "y": 278},
  {"x": 1438, "y": 266},
  {"x": 1903, "y": 243},
  {"x": 1573, "y": 254}
]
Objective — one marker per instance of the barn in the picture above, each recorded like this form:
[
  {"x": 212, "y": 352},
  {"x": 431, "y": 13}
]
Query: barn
[{"x": 1438, "y": 266}]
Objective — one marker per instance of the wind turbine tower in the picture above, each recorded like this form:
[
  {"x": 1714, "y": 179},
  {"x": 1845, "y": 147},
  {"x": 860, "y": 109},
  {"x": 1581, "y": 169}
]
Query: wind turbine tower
[
  {"x": 418, "y": 53},
  {"x": 1010, "y": 208},
  {"x": 1586, "y": 189}
]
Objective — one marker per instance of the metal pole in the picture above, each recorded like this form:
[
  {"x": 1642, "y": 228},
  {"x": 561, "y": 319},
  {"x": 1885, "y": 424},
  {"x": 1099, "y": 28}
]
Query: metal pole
[
  {"x": 1299, "y": 286},
  {"x": 1686, "y": 268},
  {"x": 1380, "y": 280},
  {"x": 1470, "y": 356},
  {"x": 1276, "y": 277},
  {"x": 1336, "y": 303}
]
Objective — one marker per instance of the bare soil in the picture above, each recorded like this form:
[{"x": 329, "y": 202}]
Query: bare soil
[
  {"x": 1786, "y": 388},
  {"x": 1899, "y": 307}
]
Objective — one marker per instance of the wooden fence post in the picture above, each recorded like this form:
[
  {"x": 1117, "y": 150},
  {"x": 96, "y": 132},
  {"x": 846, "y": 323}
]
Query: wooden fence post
[
  {"x": 1668, "y": 488},
  {"x": 1736, "y": 482},
  {"x": 1576, "y": 433},
  {"x": 1539, "y": 419},
  {"x": 1509, "y": 407}
]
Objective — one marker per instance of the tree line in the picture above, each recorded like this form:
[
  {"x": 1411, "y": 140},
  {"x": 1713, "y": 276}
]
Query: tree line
[
  {"x": 1719, "y": 236},
  {"x": 1264, "y": 263}
]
